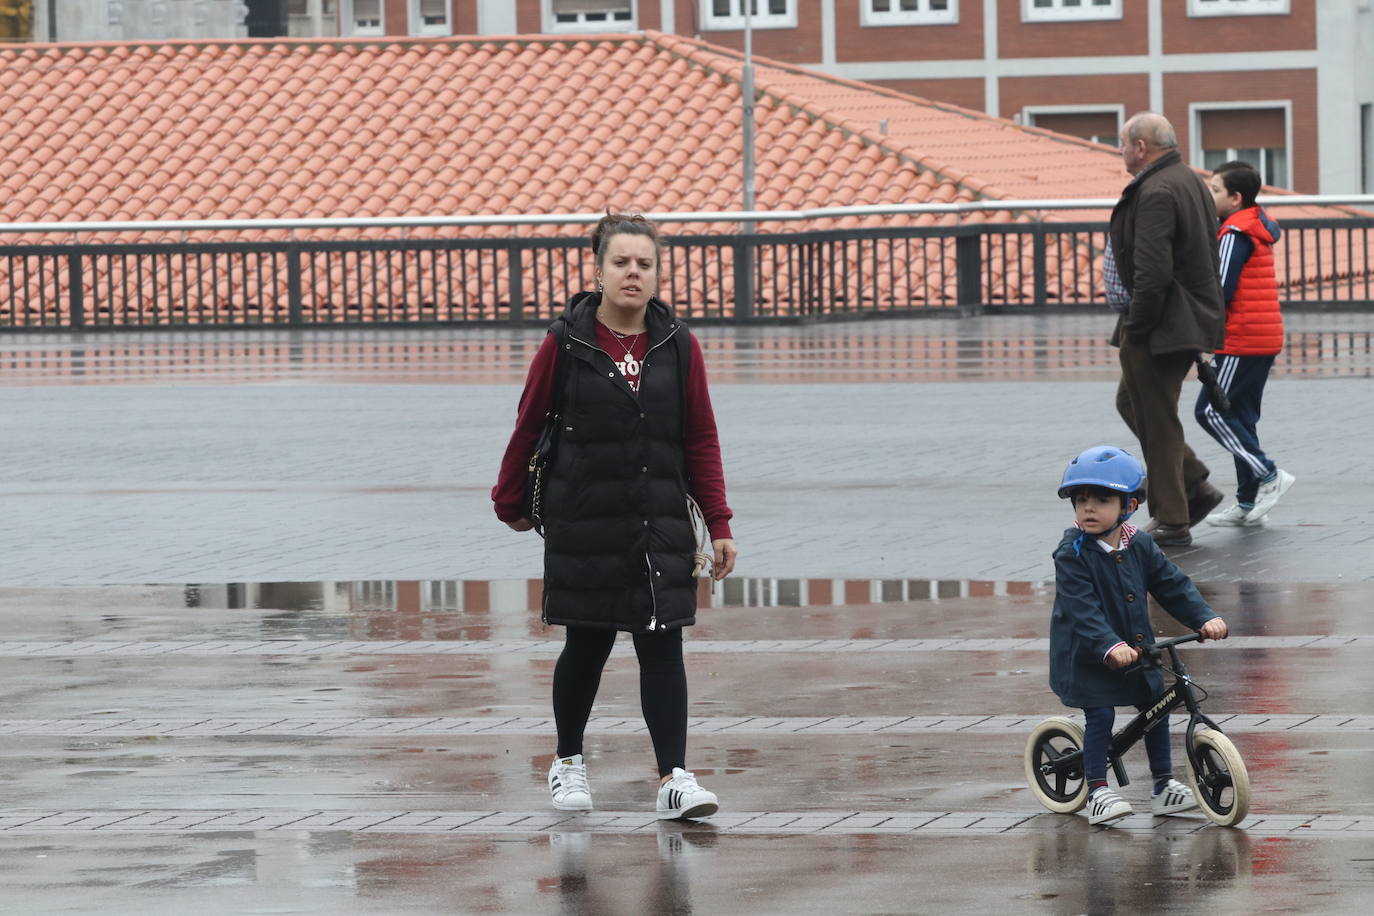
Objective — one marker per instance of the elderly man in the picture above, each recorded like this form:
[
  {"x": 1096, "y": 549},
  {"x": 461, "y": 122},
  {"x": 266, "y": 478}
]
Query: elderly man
[{"x": 1163, "y": 239}]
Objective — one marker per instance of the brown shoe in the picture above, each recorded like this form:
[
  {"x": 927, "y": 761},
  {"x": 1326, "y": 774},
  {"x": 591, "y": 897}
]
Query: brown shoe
[
  {"x": 1172, "y": 535},
  {"x": 1202, "y": 501}
]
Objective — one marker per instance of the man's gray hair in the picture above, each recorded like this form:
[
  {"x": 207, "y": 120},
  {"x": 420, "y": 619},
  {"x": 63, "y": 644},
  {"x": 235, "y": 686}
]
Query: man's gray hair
[{"x": 1153, "y": 128}]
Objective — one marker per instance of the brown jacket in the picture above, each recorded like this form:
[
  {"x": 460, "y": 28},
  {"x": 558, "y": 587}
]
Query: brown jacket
[{"x": 1164, "y": 236}]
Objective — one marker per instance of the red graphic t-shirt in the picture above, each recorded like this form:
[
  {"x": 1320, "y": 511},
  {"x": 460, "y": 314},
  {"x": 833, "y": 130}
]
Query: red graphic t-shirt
[{"x": 627, "y": 351}]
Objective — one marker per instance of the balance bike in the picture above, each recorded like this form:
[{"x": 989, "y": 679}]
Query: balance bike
[{"x": 1216, "y": 772}]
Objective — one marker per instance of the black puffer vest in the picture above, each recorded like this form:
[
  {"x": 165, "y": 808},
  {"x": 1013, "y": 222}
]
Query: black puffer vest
[{"x": 618, "y": 543}]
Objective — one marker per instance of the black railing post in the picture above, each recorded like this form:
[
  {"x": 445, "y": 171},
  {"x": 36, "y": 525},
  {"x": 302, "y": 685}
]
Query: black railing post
[
  {"x": 294, "y": 306},
  {"x": 1039, "y": 251},
  {"x": 77, "y": 307},
  {"x": 968, "y": 271},
  {"x": 744, "y": 279},
  {"x": 517, "y": 284}
]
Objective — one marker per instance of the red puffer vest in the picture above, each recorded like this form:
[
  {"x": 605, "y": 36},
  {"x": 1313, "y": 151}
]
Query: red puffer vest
[{"x": 1254, "y": 326}]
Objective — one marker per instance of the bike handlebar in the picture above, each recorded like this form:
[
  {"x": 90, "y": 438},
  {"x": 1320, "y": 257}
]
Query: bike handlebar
[{"x": 1163, "y": 644}]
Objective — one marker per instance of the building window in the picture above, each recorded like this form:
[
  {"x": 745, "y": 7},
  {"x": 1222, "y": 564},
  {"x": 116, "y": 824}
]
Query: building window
[
  {"x": 1258, "y": 136},
  {"x": 429, "y": 17},
  {"x": 16, "y": 20},
  {"x": 364, "y": 17},
  {"x": 767, "y": 14},
  {"x": 1238, "y": 7},
  {"x": 312, "y": 18},
  {"x": 1069, "y": 10},
  {"x": 1100, "y": 125},
  {"x": 909, "y": 12},
  {"x": 589, "y": 15}
]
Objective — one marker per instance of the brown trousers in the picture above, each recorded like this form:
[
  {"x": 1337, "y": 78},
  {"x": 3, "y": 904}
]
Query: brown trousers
[{"x": 1147, "y": 400}]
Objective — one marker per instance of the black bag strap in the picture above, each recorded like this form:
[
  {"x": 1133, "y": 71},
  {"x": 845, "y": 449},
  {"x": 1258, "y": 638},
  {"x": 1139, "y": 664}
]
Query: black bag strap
[{"x": 559, "y": 330}]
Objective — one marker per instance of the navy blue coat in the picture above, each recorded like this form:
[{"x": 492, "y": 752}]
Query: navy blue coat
[{"x": 1100, "y": 600}]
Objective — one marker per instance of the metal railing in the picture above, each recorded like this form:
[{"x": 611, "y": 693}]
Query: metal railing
[{"x": 967, "y": 266}]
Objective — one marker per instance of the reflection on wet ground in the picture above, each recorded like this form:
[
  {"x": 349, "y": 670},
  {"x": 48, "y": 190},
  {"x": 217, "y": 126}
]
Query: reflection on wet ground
[
  {"x": 997, "y": 347},
  {"x": 299, "y": 744},
  {"x": 673, "y": 870}
]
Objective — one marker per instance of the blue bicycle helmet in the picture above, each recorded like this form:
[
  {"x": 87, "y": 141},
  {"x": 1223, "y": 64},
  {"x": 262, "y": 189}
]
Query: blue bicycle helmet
[{"x": 1105, "y": 466}]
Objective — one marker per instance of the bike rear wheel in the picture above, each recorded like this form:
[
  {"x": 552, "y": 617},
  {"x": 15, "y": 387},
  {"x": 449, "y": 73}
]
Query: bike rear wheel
[
  {"x": 1219, "y": 778},
  {"x": 1063, "y": 790}
]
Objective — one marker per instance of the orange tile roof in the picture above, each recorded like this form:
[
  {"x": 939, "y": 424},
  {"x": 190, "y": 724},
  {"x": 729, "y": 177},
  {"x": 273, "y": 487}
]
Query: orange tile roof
[
  {"x": 536, "y": 124},
  {"x": 247, "y": 129}
]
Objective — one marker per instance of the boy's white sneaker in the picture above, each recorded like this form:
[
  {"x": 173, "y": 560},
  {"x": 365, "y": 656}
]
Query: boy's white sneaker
[
  {"x": 1267, "y": 497},
  {"x": 1174, "y": 798},
  {"x": 1233, "y": 516},
  {"x": 568, "y": 784},
  {"x": 1104, "y": 805},
  {"x": 681, "y": 797}
]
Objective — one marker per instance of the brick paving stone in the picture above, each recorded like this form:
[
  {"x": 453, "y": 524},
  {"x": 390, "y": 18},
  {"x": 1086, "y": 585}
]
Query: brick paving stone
[
  {"x": 551, "y": 648},
  {"x": 997, "y": 824},
  {"x": 410, "y": 821},
  {"x": 1277, "y": 821},
  {"x": 816, "y": 821},
  {"x": 371, "y": 727},
  {"x": 774, "y": 819},
  {"x": 732, "y": 820},
  {"x": 801, "y": 724},
  {"x": 1328, "y": 822},
  {"x": 1325, "y": 722},
  {"x": 755, "y": 822},
  {"x": 856, "y": 821},
  {"x": 907, "y": 822},
  {"x": 443, "y": 820},
  {"x": 1003, "y": 723}
]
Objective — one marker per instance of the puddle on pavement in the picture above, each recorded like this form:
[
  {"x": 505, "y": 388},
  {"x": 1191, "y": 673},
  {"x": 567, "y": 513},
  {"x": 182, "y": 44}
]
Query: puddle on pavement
[
  {"x": 487, "y": 595},
  {"x": 994, "y": 347}
]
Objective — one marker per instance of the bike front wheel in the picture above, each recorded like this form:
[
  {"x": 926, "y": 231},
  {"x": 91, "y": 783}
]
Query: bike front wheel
[
  {"x": 1059, "y": 787},
  {"x": 1219, "y": 778}
]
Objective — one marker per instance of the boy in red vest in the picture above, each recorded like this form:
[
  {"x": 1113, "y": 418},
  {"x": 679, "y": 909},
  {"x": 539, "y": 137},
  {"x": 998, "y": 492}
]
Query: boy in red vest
[{"x": 1254, "y": 336}]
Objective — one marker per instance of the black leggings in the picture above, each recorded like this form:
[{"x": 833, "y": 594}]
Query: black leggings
[{"x": 662, "y": 690}]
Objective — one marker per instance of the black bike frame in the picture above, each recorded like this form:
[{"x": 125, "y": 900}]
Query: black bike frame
[{"x": 1179, "y": 693}]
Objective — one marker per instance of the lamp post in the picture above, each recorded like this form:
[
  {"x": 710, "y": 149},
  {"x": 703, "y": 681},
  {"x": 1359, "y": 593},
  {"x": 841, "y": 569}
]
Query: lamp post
[{"x": 744, "y": 252}]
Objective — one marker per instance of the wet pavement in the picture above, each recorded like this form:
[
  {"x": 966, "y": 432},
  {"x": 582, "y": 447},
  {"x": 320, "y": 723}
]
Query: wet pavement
[{"x": 264, "y": 649}]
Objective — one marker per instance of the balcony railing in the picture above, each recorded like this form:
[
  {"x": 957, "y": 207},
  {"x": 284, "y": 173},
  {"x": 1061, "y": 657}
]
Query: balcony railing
[{"x": 1016, "y": 264}]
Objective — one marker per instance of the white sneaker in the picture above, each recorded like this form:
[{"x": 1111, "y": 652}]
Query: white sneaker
[
  {"x": 1269, "y": 493},
  {"x": 681, "y": 797},
  {"x": 1176, "y": 797},
  {"x": 1233, "y": 516},
  {"x": 568, "y": 784},
  {"x": 1105, "y": 805}
]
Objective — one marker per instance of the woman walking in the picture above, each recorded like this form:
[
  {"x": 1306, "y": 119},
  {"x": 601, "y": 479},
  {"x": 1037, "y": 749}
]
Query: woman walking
[{"x": 636, "y": 438}]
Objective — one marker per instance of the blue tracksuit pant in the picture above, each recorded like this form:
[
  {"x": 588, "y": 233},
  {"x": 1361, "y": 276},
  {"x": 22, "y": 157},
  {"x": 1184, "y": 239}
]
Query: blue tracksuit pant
[{"x": 1242, "y": 378}]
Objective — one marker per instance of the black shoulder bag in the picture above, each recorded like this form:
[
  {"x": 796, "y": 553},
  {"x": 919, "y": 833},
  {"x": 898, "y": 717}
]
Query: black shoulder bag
[{"x": 547, "y": 446}]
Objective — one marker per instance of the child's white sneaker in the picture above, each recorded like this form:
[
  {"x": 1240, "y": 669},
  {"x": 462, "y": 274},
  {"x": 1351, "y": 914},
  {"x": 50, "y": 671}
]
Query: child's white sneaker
[
  {"x": 1105, "y": 805},
  {"x": 1174, "y": 798},
  {"x": 681, "y": 797},
  {"x": 568, "y": 784},
  {"x": 1233, "y": 516}
]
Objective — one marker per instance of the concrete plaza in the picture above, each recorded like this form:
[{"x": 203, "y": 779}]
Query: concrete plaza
[{"x": 264, "y": 648}]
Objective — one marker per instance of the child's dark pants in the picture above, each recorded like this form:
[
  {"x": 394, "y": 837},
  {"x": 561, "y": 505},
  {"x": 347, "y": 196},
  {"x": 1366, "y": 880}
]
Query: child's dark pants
[{"x": 1097, "y": 736}]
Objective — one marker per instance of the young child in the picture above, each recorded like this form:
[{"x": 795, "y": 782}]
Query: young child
[
  {"x": 1104, "y": 572},
  {"x": 1254, "y": 336}
]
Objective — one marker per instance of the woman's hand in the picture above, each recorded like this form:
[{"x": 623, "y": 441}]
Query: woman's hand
[
  {"x": 724, "y": 563},
  {"x": 521, "y": 524}
]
